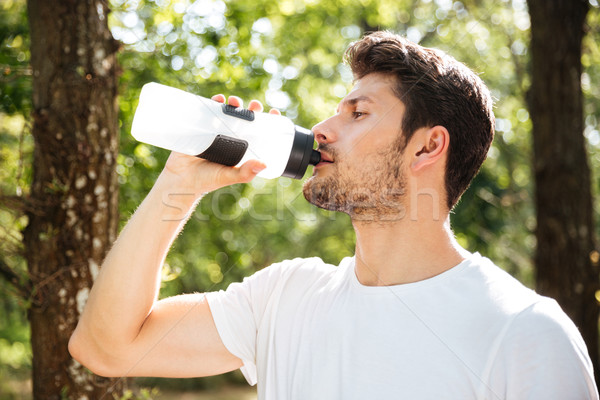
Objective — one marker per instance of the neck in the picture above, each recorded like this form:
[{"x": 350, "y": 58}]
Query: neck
[{"x": 393, "y": 253}]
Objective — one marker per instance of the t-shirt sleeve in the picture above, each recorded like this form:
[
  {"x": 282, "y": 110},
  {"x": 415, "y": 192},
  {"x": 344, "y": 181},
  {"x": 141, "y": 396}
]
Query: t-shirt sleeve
[
  {"x": 238, "y": 311},
  {"x": 543, "y": 356}
]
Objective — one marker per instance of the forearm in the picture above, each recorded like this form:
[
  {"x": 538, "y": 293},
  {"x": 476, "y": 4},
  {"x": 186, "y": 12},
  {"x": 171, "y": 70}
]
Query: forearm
[
  {"x": 118, "y": 323},
  {"x": 129, "y": 280}
]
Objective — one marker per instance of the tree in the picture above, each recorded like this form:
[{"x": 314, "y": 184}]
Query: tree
[
  {"x": 565, "y": 232},
  {"x": 73, "y": 218},
  {"x": 288, "y": 55}
]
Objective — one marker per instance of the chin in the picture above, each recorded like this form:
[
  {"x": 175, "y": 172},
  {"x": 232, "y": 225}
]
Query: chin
[
  {"x": 324, "y": 193},
  {"x": 310, "y": 188}
]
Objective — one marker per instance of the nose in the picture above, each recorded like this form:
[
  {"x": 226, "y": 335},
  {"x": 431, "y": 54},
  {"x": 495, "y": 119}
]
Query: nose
[{"x": 324, "y": 131}]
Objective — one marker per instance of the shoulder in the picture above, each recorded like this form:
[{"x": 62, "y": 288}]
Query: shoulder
[
  {"x": 297, "y": 270},
  {"x": 538, "y": 351},
  {"x": 528, "y": 316},
  {"x": 543, "y": 355},
  {"x": 544, "y": 322},
  {"x": 495, "y": 287}
]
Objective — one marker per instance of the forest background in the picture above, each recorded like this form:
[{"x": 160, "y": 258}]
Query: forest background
[{"x": 288, "y": 55}]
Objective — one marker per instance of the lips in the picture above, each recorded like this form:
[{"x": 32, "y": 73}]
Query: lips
[{"x": 326, "y": 158}]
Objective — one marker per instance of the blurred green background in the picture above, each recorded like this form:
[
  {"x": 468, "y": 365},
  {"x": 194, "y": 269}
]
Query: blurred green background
[{"x": 288, "y": 55}]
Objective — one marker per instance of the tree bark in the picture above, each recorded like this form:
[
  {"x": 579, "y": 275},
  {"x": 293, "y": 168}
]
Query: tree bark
[
  {"x": 565, "y": 228},
  {"x": 75, "y": 128}
]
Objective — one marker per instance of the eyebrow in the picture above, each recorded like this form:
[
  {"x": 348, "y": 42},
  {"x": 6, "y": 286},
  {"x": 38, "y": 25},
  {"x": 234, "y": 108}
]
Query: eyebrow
[{"x": 353, "y": 101}]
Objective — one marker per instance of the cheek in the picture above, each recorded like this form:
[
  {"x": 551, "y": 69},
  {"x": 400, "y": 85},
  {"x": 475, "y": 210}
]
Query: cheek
[
  {"x": 357, "y": 146},
  {"x": 388, "y": 132}
]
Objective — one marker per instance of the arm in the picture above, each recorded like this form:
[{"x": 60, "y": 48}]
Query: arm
[
  {"x": 124, "y": 330},
  {"x": 543, "y": 356}
]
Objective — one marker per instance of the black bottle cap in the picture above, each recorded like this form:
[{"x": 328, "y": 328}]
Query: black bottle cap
[
  {"x": 315, "y": 157},
  {"x": 302, "y": 154}
]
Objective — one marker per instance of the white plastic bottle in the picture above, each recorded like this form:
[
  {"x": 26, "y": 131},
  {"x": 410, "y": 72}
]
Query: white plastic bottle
[{"x": 180, "y": 121}]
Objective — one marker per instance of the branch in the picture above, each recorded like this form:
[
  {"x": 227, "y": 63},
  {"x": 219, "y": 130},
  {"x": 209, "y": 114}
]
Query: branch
[
  {"x": 11, "y": 276},
  {"x": 22, "y": 204},
  {"x": 15, "y": 203}
]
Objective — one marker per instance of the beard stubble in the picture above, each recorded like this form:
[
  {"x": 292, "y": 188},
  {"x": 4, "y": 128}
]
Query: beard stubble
[{"x": 372, "y": 189}]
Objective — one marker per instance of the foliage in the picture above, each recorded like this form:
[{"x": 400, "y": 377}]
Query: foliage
[
  {"x": 15, "y": 151},
  {"x": 15, "y": 96},
  {"x": 591, "y": 91},
  {"x": 288, "y": 55}
]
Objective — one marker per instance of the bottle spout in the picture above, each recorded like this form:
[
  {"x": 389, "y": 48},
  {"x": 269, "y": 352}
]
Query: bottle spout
[{"x": 315, "y": 157}]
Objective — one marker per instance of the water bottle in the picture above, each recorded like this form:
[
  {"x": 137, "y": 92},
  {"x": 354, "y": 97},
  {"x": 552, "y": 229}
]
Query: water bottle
[{"x": 180, "y": 121}]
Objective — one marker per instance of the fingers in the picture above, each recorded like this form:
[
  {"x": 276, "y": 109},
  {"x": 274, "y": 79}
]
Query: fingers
[
  {"x": 255, "y": 105},
  {"x": 250, "y": 169},
  {"x": 243, "y": 174},
  {"x": 235, "y": 101},
  {"x": 219, "y": 98}
]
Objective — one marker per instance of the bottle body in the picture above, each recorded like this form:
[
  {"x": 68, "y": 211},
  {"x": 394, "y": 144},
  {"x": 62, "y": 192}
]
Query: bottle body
[{"x": 180, "y": 121}]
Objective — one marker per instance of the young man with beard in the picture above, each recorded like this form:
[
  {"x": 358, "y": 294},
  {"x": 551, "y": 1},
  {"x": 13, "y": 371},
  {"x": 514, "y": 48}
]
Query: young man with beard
[{"x": 411, "y": 316}]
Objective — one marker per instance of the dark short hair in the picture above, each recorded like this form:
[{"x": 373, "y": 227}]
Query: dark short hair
[{"x": 436, "y": 90}]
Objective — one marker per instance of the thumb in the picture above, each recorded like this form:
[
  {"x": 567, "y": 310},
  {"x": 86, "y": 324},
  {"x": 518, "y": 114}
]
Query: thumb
[{"x": 245, "y": 173}]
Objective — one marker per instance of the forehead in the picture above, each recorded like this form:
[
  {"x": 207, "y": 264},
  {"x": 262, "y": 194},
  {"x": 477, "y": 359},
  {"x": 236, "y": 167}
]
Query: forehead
[{"x": 373, "y": 88}]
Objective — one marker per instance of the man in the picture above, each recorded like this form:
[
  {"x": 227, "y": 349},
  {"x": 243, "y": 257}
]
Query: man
[{"x": 411, "y": 316}]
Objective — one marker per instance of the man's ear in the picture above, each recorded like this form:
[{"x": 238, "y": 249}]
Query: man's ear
[{"x": 430, "y": 146}]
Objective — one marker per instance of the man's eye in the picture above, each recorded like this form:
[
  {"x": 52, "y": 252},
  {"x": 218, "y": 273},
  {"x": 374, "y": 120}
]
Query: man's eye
[{"x": 357, "y": 114}]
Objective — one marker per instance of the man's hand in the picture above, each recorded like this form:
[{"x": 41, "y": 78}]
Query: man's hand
[{"x": 198, "y": 176}]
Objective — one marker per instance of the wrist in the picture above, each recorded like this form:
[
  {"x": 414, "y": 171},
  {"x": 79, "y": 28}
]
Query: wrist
[{"x": 177, "y": 198}]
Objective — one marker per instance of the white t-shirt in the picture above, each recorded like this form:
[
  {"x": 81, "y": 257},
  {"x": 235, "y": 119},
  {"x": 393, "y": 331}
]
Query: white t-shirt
[{"x": 309, "y": 330}]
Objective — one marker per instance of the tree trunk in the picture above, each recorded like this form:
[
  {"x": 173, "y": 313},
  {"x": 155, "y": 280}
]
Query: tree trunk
[
  {"x": 75, "y": 128},
  {"x": 565, "y": 227}
]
